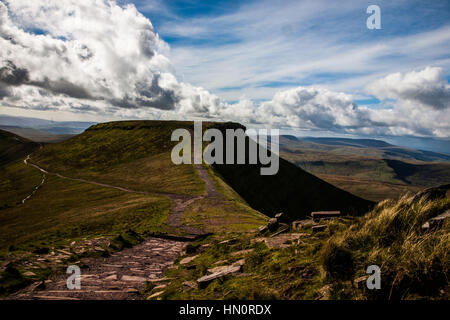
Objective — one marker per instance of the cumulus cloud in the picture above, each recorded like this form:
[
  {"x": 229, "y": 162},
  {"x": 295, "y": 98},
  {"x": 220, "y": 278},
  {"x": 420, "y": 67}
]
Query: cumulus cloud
[
  {"x": 95, "y": 56},
  {"x": 426, "y": 87},
  {"x": 84, "y": 50}
]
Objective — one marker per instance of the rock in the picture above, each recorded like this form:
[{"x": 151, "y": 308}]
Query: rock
[
  {"x": 160, "y": 279},
  {"x": 272, "y": 225},
  {"x": 318, "y": 215},
  {"x": 220, "y": 262},
  {"x": 319, "y": 228},
  {"x": 361, "y": 282},
  {"x": 325, "y": 292},
  {"x": 282, "y": 217},
  {"x": 228, "y": 241},
  {"x": 187, "y": 285},
  {"x": 218, "y": 269},
  {"x": 263, "y": 229},
  {"x": 205, "y": 280},
  {"x": 133, "y": 278},
  {"x": 284, "y": 240},
  {"x": 436, "y": 221},
  {"x": 111, "y": 277},
  {"x": 188, "y": 259},
  {"x": 237, "y": 253},
  {"x": 29, "y": 274},
  {"x": 240, "y": 262},
  {"x": 161, "y": 286},
  {"x": 157, "y": 294},
  {"x": 299, "y": 224},
  {"x": 283, "y": 230}
]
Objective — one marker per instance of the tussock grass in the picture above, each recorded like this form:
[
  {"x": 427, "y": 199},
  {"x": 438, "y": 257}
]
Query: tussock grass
[{"x": 413, "y": 261}]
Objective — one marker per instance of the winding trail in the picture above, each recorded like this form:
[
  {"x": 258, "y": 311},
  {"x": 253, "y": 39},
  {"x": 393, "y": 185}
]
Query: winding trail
[{"x": 124, "y": 274}]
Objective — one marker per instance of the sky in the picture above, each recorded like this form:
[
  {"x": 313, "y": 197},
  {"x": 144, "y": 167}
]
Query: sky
[{"x": 307, "y": 67}]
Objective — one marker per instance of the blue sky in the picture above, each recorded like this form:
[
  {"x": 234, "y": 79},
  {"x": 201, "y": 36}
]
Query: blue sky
[
  {"x": 252, "y": 49},
  {"x": 308, "y": 66}
]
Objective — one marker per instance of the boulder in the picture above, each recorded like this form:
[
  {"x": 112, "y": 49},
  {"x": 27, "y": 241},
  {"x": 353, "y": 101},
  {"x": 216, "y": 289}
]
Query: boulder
[
  {"x": 272, "y": 225},
  {"x": 436, "y": 221},
  {"x": 263, "y": 229},
  {"x": 282, "y": 217}
]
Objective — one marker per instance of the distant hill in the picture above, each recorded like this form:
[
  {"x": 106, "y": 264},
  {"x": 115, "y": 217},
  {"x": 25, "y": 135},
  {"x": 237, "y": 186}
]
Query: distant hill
[
  {"x": 37, "y": 135},
  {"x": 48, "y": 126},
  {"x": 109, "y": 151},
  {"x": 359, "y": 143},
  {"x": 362, "y": 147},
  {"x": 14, "y": 147},
  {"x": 372, "y": 169}
]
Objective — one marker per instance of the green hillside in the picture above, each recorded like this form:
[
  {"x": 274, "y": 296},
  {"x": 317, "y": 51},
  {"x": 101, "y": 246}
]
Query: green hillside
[
  {"x": 368, "y": 168},
  {"x": 13, "y": 147}
]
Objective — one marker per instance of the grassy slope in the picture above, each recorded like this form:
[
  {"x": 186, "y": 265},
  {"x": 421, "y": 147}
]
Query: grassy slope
[
  {"x": 292, "y": 190},
  {"x": 132, "y": 154},
  {"x": 228, "y": 214},
  {"x": 62, "y": 211},
  {"x": 127, "y": 154},
  {"x": 364, "y": 173},
  {"x": 414, "y": 263},
  {"x": 14, "y": 147}
]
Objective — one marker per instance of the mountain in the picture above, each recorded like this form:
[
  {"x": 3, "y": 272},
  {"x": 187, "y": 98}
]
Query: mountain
[
  {"x": 48, "y": 126},
  {"x": 14, "y": 147},
  {"x": 99, "y": 151},
  {"x": 375, "y": 148},
  {"x": 36, "y": 135},
  {"x": 371, "y": 169}
]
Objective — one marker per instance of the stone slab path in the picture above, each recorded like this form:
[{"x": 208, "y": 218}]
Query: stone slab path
[{"x": 122, "y": 276}]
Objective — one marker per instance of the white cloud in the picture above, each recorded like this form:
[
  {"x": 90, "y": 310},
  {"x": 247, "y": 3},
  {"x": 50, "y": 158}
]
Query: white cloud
[
  {"x": 426, "y": 87},
  {"x": 99, "y": 58}
]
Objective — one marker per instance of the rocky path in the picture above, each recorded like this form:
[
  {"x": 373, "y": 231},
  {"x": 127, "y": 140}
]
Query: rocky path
[{"x": 122, "y": 276}]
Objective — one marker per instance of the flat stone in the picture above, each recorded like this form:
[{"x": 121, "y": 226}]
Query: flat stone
[
  {"x": 157, "y": 294},
  {"x": 436, "y": 221},
  {"x": 111, "y": 277},
  {"x": 160, "y": 279},
  {"x": 188, "y": 259},
  {"x": 240, "y": 262},
  {"x": 237, "y": 253},
  {"x": 29, "y": 274},
  {"x": 284, "y": 240},
  {"x": 325, "y": 292},
  {"x": 361, "y": 282},
  {"x": 54, "y": 298},
  {"x": 218, "y": 269},
  {"x": 161, "y": 286},
  {"x": 205, "y": 280},
  {"x": 133, "y": 278}
]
